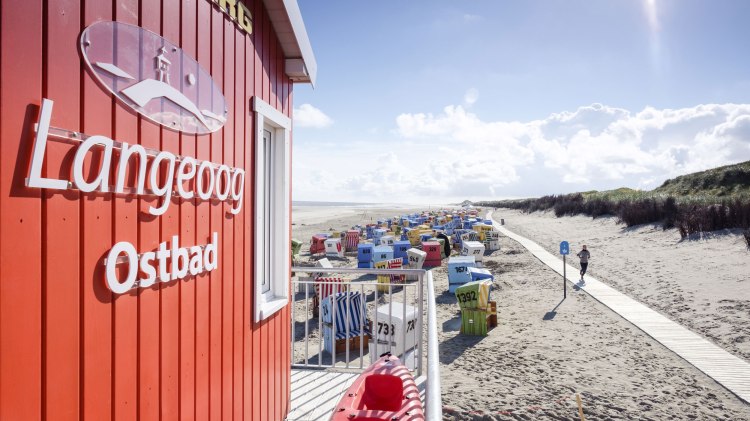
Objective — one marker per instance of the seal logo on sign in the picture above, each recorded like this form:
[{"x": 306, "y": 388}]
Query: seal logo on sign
[{"x": 154, "y": 77}]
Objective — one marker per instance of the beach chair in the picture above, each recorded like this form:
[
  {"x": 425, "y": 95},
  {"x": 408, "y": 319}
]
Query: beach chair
[
  {"x": 325, "y": 286},
  {"x": 345, "y": 322},
  {"x": 473, "y": 248},
  {"x": 432, "y": 248},
  {"x": 352, "y": 240},
  {"x": 389, "y": 279},
  {"x": 492, "y": 240},
  {"x": 482, "y": 229},
  {"x": 396, "y": 330},
  {"x": 296, "y": 248},
  {"x": 317, "y": 244},
  {"x": 333, "y": 248},
  {"x": 459, "y": 271},
  {"x": 478, "y": 313}
]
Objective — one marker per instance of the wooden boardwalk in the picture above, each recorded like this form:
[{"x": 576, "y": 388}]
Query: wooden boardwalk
[
  {"x": 726, "y": 369},
  {"x": 315, "y": 393}
]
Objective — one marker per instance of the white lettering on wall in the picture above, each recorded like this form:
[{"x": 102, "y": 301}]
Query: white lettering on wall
[
  {"x": 224, "y": 183},
  {"x": 170, "y": 262}
]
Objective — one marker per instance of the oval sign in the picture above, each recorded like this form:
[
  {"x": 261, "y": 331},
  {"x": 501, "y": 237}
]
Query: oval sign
[
  {"x": 154, "y": 77},
  {"x": 564, "y": 248}
]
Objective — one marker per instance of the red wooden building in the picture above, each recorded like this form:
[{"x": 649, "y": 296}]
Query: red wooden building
[{"x": 144, "y": 207}]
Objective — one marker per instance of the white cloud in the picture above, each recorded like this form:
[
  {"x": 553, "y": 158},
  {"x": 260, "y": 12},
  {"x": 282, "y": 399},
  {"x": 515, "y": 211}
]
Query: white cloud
[
  {"x": 471, "y": 96},
  {"x": 454, "y": 155},
  {"x": 308, "y": 116}
]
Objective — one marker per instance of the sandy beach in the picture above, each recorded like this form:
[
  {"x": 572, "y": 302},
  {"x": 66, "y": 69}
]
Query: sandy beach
[
  {"x": 702, "y": 282},
  {"x": 546, "y": 350}
]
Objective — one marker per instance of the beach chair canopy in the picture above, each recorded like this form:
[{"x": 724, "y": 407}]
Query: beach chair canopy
[
  {"x": 327, "y": 286},
  {"x": 474, "y": 295},
  {"x": 348, "y": 309}
]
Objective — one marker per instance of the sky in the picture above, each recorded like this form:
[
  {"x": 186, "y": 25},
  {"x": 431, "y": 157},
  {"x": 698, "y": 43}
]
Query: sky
[{"x": 440, "y": 101}]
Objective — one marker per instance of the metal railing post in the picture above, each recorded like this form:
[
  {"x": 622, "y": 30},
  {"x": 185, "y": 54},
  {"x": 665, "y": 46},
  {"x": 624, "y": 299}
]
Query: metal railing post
[
  {"x": 362, "y": 310},
  {"x": 404, "y": 325},
  {"x": 375, "y": 327},
  {"x": 348, "y": 322},
  {"x": 333, "y": 327},
  {"x": 434, "y": 399},
  {"x": 307, "y": 333},
  {"x": 320, "y": 329},
  {"x": 292, "y": 330},
  {"x": 420, "y": 328}
]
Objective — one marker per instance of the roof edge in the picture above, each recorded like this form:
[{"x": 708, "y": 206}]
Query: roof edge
[{"x": 286, "y": 19}]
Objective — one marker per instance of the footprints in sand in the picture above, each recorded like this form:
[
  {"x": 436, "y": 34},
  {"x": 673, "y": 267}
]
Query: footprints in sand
[{"x": 528, "y": 362}]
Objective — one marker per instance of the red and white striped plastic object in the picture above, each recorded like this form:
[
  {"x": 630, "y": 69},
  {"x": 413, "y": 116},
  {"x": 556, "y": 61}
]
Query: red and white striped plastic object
[
  {"x": 327, "y": 286},
  {"x": 352, "y": 240}
]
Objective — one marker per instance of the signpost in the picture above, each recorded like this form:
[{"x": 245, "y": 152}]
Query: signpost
[{"x": 564, "y": 250}]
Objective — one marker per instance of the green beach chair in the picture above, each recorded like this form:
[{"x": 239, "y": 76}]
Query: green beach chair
[{"x": 478, "y": 313}]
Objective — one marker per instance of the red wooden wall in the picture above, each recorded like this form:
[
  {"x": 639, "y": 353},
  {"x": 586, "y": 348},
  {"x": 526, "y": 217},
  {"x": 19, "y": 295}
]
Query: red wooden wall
[{"x": 69, "y": 348}]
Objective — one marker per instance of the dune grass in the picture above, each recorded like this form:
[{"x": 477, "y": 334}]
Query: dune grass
[{"x": 707, "y": 201}]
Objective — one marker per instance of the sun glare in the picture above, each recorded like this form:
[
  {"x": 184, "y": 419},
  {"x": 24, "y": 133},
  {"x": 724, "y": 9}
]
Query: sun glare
[
  {"x": 651, "y": 15},
  {"x": 649, "y": 7}
]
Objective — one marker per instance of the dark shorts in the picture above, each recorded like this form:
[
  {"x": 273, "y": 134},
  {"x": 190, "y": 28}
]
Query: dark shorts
[{"x": 583, "y": 267}]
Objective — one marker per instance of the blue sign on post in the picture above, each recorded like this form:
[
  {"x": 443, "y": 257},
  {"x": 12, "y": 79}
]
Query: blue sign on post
[{"x": 564, "y": 250}]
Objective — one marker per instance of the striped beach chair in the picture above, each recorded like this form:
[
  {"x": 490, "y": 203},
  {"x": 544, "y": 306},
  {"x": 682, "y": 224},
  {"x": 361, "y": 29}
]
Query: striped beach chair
[
  {"x": 352, "y": 240},
  {"x": 350, "y": 314},
  {"x": 325, "y": 287},
  {"x": 386, "y": 279}
]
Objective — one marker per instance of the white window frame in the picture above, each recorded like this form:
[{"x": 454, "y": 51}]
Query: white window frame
[{"x": 269, "y": 118}]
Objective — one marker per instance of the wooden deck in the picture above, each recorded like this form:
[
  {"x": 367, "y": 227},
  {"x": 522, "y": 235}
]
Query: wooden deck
[
  {"x": 728, "y": 370},
  {"x": 315, "y": 393}
]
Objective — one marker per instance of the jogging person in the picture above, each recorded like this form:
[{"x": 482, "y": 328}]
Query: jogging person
[{"x": 584, "y": 255}]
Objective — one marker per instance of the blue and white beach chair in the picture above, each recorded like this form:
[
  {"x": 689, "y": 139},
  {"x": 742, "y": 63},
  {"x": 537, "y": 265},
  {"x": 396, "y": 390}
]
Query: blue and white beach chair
[{"x": 350, "y": 314}]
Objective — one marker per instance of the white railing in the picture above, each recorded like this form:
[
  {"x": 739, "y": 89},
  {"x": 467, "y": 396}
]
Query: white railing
[
  {"x": 373, "y": 295},
  {"x": 434, "y": 399}
]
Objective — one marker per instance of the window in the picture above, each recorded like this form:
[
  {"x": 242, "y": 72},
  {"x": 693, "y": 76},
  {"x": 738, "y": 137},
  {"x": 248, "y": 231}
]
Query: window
[{"x": 272, "y": 207}]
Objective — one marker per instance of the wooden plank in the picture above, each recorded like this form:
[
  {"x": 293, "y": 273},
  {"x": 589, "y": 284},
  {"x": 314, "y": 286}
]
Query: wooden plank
[
  {"x": 285, "y": 319},
  {"x": 170, "y": 226},
  {"x": 20, "y": 214},
  {"x": 286, "y": 322},
  {"x": 125, "y": 366},
  {"x": 203, "y": 231},
  {"x": 316, "y": 393},
  {"x": 188, "y": 42},
  {"x": 264, "y": 30},
  {"x": 260, "y": 333},
  {"x": 273, "y": 79},
  {"x": 149, "y": 326},
  {"x": 227, "y": 239},
  {"x": 250, "y": 376},
  {"x": 288, "y": 111},
  {"x": 281, "y": 317},
  {"x": 238, "y": 252},
  {"x": 216, "y": 218},
  {"x": 62, "y": 221},
  {"x": 97, "y": 240},
  {"x": 269, "y": 325}
]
